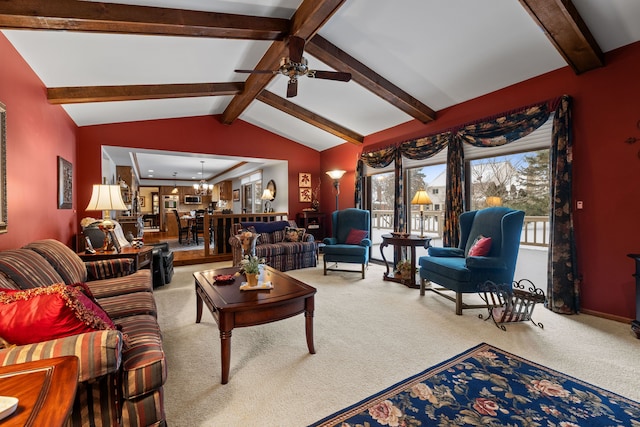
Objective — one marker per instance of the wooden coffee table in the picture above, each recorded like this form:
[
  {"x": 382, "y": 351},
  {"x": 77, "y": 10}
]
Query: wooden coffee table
[{"x": 232, "y": 307}]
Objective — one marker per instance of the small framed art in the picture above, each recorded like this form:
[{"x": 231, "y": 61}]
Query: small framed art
[
  {"x": 304, "y": 179},
  {"x": 236, "y": 195},
  {"x": 65, "y": 184},
  {"x": 305, "y": 194}
]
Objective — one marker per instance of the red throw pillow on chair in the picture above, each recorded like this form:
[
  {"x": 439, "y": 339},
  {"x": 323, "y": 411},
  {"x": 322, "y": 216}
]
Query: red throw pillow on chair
[
  {"x": 46, "y": 313},
  {"x": 355, "y": 236},
  {"x": 481, "y": 246}
]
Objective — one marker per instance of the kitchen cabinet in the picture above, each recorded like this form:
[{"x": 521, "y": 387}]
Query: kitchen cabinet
[{"x": 225, "y": 190}]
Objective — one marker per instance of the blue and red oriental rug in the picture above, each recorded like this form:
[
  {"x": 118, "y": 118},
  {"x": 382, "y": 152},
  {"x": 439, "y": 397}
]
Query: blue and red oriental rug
[{"x": 486, "y": 386}]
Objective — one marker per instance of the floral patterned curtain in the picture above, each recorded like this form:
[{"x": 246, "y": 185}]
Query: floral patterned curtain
[
  {"x": 505, "y": 128},
  {"x": 563, "y": 286},
  {"x": 375, "y": 159},
  {"x": 454, "y": 200},
  {"x": 423, "y": 148},
  {"x": 400, "y": 214}
]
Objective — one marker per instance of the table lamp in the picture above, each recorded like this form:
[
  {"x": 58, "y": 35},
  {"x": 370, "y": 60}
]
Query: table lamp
[
  {"x": 421, "y": 198},
  {"x": 106, "y": 198},
  {"x": 494, "y": 201},
  {"x": 267, "y": 196}
]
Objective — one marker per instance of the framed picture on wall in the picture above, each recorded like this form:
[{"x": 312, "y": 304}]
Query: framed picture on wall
[
  {"x": 142, "y": 201},
  {"x": 305, "y": 194},
  {"x": 304, "y": 179},
  {"x": 65, "y": 184},
  {"x": 236, "y": 195}
]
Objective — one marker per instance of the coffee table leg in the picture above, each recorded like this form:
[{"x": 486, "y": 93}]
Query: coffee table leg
[
  {"x": 225, "y": 353},
  {"x": 198, "y": 306},
  {"x": 308, "y": 317}
]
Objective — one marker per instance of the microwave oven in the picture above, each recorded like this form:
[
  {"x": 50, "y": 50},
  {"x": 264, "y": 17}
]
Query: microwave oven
[{"x": 192, "y": 200}]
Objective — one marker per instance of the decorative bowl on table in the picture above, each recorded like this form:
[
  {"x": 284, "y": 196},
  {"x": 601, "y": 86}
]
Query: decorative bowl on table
[{"x": 224, "y": 278}]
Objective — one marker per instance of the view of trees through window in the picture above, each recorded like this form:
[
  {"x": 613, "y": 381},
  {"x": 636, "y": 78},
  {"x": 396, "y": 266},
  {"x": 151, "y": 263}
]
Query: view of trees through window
[{"x": 519, "y": 181}]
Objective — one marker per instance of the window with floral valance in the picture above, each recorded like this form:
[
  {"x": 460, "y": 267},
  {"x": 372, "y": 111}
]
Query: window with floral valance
[{"x": 490, "y": 132}]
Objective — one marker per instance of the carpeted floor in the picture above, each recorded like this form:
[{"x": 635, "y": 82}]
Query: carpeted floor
[{"x": 369, "y": 335}]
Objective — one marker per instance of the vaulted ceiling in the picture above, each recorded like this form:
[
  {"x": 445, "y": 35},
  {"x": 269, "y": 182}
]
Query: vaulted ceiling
[{"x": 142, "y": 59}]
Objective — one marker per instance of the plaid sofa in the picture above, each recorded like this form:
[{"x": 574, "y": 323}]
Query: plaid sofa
[
  {"x": 121, "y": 372},
  {"x": 271, "y": 245}
]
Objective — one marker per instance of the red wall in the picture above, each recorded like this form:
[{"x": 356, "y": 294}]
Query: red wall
[
  {"x": 606, "y": 170},
  {"x": 194, "y": 135},
  {"x": 37, "y": 133}
]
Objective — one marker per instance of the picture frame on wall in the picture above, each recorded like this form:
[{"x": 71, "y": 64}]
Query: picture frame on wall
[
  {"x": 236, "y": 195},
  {"x": 142, "y": 201},
  {"x": 305, "y": 194},
  {"x": 65, "y": 184},
  {"x": 304, "y": 179}
]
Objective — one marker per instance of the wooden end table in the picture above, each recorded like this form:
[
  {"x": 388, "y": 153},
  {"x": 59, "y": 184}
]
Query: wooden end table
[
  {"x": 232, "y": 307},
  {"x": 45, "y": 390},
  {"x": 141, "y": 257},
  {"x": 399, "y": 242}
]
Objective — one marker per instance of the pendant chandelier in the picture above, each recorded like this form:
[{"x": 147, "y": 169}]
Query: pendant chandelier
[
  {"x": 175, "y": 186},
  {"x": 202, "y": 188}
]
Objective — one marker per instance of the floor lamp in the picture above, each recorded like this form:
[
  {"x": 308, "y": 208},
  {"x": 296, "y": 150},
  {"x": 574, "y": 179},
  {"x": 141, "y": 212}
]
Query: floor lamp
[
  {"x": 106, "y": 198},
  {"x": 335, "y": 176},
  {"x": 421, "y": 198}
]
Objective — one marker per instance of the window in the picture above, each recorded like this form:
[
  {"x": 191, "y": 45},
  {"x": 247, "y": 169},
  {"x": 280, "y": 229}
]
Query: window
[{"x": 251, "y": 192}]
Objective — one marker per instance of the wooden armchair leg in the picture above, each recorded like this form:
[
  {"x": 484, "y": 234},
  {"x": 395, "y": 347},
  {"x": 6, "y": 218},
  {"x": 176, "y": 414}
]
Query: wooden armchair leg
[
  {"x": 325, "y": 267},
  {"x": 459, "y": 303},
  {"x": 363, "y": 271}
]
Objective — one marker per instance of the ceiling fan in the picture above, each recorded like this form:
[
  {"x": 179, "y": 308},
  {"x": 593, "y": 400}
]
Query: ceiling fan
[{"x": 296, "y": 66}]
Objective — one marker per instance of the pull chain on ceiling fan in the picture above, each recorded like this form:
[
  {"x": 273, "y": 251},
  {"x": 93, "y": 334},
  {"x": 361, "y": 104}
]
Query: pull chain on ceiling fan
[{"x": 296, "y": 66}]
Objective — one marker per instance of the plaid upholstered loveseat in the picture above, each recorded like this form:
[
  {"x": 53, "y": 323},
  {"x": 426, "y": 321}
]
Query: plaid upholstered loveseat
[
  {"x": 274, "y": 247},
  {"x": 121, "y": 371}
]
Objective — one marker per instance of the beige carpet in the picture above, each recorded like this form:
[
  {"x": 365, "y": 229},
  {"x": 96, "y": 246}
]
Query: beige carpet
[{"x": 369, "y": 334}]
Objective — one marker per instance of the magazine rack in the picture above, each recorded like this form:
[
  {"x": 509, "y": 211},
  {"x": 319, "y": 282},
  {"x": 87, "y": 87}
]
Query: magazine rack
[{"x": 511, "y": 304}]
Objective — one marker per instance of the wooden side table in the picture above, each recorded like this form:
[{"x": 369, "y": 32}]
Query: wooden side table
[
  {"x": 45, "y": 390},
  {"x": 399, "y": 242},
  {"x": 141, "y": 257},
  {"x": 313, "y": 222}
]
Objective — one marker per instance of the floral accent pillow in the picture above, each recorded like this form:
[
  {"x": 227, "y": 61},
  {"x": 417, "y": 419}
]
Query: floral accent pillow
[
  {"x": 49, "y": 312},
  {"x": 481, "y": 246},
  {"x": 292, "y": 234}
]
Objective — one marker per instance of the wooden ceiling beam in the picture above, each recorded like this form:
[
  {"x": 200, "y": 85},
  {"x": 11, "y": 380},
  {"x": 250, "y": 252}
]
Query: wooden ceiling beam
[
  {"x": 307, "y": 116},
  {"x": 71, "y": 15},
  {"x": 566, "y": 30},
  {"x": 336, "y": 58},
  {"x": 305, "y": 23},
  {"x": 82, "y": 94}
]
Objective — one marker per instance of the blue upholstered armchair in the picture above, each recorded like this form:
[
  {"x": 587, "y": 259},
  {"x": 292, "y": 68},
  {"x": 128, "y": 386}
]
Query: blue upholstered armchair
[
  {"x": 351, "y": 239},
  {"x": 464, "y": 268}
]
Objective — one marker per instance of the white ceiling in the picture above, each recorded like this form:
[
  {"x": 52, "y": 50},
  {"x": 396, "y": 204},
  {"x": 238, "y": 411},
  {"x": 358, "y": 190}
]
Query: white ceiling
[{"x": 440, "y": 52}]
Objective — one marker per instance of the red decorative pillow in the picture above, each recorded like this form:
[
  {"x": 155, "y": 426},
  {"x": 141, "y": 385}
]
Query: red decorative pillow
[
  {"x": 47, "y": 313},
  {"x": 481, "y": 246},
  {"x": 355, "y": 236}
]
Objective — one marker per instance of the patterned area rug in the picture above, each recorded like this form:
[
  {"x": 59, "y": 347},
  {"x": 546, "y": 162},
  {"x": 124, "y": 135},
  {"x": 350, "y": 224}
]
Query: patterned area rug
[{"x": 488, "y": 386}]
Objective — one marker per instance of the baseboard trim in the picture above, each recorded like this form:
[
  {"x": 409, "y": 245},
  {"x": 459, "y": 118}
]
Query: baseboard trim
[{"x": 608, "y": 316}]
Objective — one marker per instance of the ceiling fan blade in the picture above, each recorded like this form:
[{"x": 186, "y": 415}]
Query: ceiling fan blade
[
  {"x": 296, "y": 46},
  {"x": 292, "y": 88},
  {"x": 256, "y": 71},
  {"x": 330, "y": 75}
]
